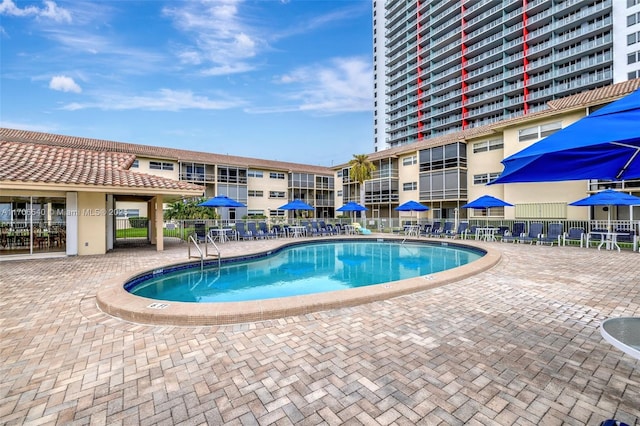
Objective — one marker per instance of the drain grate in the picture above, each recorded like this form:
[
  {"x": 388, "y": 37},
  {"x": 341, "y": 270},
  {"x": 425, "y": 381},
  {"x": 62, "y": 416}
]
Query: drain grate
[{"x": 158, "y": 305}]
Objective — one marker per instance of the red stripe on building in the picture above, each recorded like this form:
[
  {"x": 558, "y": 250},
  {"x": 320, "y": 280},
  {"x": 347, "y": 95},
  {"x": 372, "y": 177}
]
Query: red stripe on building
[
  {"x": 525, "y": 63},
  {"x": 419, "y": 80},
  {"x": 463, "y": 64}
]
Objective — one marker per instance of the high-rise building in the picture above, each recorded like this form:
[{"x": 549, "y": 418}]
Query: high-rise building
[{"x": 441, "y": 66}]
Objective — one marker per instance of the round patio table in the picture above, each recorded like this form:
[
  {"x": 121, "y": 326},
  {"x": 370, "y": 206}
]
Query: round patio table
[{"x": 623, "y": 333}]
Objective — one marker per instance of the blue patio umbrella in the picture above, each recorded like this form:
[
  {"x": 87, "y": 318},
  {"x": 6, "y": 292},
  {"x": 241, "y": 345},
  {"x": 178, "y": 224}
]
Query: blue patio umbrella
[
  {"x": 296, "y": 204},
  {"x": 412, "y": 206},
  {"x": 609, "y": 198},
  {"x": 352, "y": 207},
  {"x": 221, "y": 201},
  {"x": 486, "y": 202},
  {"x": 603, "y": 145}
]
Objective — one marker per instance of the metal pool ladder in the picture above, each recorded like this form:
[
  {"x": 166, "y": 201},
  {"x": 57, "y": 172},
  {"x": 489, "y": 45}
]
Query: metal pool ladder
[{"x": 202, "y": 254}]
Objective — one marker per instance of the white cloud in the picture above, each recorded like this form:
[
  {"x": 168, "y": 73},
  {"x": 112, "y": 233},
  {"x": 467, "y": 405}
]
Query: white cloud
[
  {"x": 50, "y": 11},
  {"x": 221, "y": 42},
  {"x": 344, "y": 86},
  {"x": 64, "y": 84},
  {"x": 163, "y": 100}
]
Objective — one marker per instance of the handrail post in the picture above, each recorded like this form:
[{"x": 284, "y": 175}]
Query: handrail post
[
  {"x": 206, "y": 248},
  {"x": 191, "y": 239}
]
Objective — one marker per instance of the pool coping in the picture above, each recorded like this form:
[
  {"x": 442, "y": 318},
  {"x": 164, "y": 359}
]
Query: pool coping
[{"x": 113, "y": 299}]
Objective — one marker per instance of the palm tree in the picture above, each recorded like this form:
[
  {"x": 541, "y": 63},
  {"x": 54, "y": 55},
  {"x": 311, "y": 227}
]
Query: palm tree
[{"x": 360, "y": 170}]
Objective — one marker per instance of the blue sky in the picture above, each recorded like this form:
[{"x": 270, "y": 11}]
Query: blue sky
[{"x": 288, "y": 80}]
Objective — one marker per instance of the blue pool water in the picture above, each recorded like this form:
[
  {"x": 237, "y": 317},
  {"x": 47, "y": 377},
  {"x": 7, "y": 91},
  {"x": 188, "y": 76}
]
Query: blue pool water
[{"x": 303, "y": 269}]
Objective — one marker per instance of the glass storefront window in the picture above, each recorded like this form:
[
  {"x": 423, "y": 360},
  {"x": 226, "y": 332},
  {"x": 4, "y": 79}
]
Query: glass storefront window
[{"x": 32, "y": 225}]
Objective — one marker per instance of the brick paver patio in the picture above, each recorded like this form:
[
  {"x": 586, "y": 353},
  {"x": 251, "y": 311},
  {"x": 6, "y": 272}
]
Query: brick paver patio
[{"x": 518, "y": 344}]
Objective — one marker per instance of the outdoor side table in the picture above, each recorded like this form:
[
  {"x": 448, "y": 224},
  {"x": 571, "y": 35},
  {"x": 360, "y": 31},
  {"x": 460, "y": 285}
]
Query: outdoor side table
[{"x": 623, "y": 333}]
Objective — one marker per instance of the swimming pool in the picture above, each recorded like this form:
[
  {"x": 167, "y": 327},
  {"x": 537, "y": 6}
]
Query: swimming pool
[
  {"x": 303, "y": 269},
  {"x": 113, "y": 299}
]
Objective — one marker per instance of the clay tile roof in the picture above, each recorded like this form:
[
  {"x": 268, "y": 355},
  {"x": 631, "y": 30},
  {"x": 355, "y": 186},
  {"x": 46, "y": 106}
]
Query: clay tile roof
[
  {"x": 595, "y": 96},
  {"x": 38, "y": 163},
  {"x": 157, "y": 152}
]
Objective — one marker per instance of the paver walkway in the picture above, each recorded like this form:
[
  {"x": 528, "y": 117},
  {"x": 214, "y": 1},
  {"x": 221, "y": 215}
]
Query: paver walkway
[{"x": 516, "y": 345}]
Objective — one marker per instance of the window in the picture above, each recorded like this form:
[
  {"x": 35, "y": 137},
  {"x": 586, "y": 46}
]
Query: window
[
  {"x": 135, "y": 164},
  {"x": 538, "y": 132},
  {"x": 484, "y": 178},
  {"x": 276, "y": 194},
  {"x": 408, "y": 161},
  {"x": 488, "y": 145},
  {"x": 127, "y": 213},
  {"x": 255, "y": 193},
  {"x": 410, "y": 186},
  {"x": 158, "y": 165},
  {"x": 254, "y": 213},
  {"x": 632, "y": 75},
  {"x": 631, "y": 58},
  {"x": 549, "y": 129},
  {"x": 339, "y": 193},
  {"x": 276, "y": 175},
  {"x": 631, "y": 3},
  {"x": 255, "y": 173},
  {"x": 280, "y": 213}
]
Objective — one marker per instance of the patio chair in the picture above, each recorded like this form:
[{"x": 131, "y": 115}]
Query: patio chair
[
  {"x": 242, "y": 231},
  {"x": 517, "y": 231},
  {"x": 447, "y": 229},
  {"x": 501, "y": 231},
  {"x": 318, "y": 229},
  {"x": 628, "y": 237},
  {"x": 553, "y": 235},
  {"x": 332, "y": 230},
  {"x": 595, "y": 236},
  {"x": 461, "y": 232},
  {"x": 264, "y": 230},
  {"x": 436, "y": 229},
  {"x": 535, "y": 231},
  {"x": 200, "y": 231},
  {"x": 425, "y": 230},
  {"x": 255, "y": 232},
  {"x": 574, "y": 234},
  {"x": 278, "y": 230}
]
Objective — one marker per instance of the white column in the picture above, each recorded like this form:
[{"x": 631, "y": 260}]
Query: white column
[{"x": 72, "y": 224}]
